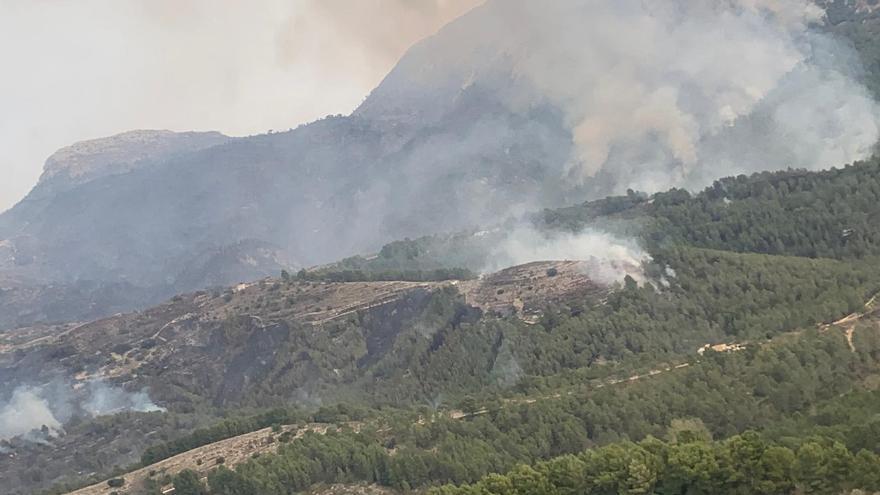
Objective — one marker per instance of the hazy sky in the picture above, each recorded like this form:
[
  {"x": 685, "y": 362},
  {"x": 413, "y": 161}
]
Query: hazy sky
[{"x": 80, "y": 69}]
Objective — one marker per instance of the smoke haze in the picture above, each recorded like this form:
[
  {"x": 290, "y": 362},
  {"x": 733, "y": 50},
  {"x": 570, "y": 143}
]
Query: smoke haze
[
  {"x": 514, "y": 107},
  {"x": 103, "y": 399},
  {"x": 92, "y": 68}
]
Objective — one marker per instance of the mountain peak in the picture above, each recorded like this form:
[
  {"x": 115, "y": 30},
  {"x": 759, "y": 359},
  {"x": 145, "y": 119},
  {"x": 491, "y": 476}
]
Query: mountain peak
[{"x": 87, "y": 160}]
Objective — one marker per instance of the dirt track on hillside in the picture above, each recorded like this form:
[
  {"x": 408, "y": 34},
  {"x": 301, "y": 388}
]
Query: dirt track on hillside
[{"x": 232, "y": 451}]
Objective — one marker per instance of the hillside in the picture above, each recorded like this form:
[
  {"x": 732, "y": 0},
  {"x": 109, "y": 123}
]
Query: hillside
[
  {"x": 240, "y": 449},
  {"x": 203, "y": 353},
  {"x": 822, "y": 446},
  {"x": 305, "y": 337},
  {"x": 832, "y": 214},
  {"x": 351, "y": 333}
]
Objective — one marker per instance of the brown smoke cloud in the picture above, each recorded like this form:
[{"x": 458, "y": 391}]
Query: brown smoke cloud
[{"x": 367, "y": 36}]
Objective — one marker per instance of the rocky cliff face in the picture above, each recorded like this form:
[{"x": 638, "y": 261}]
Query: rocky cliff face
[{"x": 90, "y": 160}]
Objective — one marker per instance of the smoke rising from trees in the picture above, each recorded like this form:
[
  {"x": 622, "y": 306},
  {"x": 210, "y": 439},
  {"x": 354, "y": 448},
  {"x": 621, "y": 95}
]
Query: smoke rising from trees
[
  {"x": 31, "y": 408},
  {"x": 25, "y": 411},
  {"x": 608, "y": 258},
  {"x": 666, "y": 93}
]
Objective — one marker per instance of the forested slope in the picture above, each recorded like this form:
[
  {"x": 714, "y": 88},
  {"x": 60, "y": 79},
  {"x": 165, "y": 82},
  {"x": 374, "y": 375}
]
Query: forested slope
[
  {"x": 748, "y": 259},
  {"x": 833, "y": 214},
  {"x": 762, "y": 387},
  {"x": 593, "y": 372}
]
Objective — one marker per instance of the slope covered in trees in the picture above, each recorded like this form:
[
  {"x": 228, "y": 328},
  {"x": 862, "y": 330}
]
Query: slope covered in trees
[
  {"x": 558, "y": 385},
  {"x": 720, "y": 396},
  {"x": 834, "y": 214},
  {"x": 743, "y": 464},
  {"x": 829, "y": 214},
  {"x": 748, "y": 259}
]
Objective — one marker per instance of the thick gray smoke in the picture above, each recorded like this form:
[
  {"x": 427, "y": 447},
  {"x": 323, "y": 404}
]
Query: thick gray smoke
[
  {"x": 677, "y": 93},
  {"x": 31, "y": 408},
  {"x": 660, "y": 94}
]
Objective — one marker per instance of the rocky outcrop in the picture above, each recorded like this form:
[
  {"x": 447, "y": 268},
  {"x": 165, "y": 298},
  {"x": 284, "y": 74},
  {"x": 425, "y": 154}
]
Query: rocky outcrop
[{"x": 89, "y": 160}]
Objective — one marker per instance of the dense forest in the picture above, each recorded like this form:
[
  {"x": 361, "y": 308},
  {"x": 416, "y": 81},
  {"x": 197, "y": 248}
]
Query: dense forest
[
  {"x": 812, "y": 438},
  {"x": 832, "y": 214},
  {"x": 742, "y": 464}
]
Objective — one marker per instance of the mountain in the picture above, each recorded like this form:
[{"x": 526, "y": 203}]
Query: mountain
[
  {"x": 90, "y": 160},
  {"x": 61, "y": 259},
  {"x": 483, "y": 121}
]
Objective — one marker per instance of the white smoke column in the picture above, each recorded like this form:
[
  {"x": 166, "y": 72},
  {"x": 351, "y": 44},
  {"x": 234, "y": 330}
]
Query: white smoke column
[
  {"x": 52, "y": 404},
  {"x": 608, "y": 259},
  {"x": 26, "y": 410},
  {"x": 104, "y": 400}
]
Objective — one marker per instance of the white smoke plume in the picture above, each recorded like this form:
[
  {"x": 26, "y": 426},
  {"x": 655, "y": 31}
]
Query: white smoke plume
[
  {"x": 103, "y": 400},
  {"x": 30, "y": 408},
  {"x": 608, "y": 258},
  {"x": 25, "y": 411}
]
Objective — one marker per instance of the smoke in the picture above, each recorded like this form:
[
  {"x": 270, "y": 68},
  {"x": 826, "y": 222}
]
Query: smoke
[
  {"x": 607, "y": 258},
  {"x": 672, "y": 93},
  {"x": 237, "y": 67},
  {"x": 103, "y": 400},
  {"x": 376, "y": 32},
  {"x": 506, "y": 370},
  {"x": 31, "y": 408},
  {"x": 25, "y": 411}
]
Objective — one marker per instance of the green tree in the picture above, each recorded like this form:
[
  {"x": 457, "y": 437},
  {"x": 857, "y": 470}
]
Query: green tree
[
  {"x": 187, "y": 482},
  {"x": 223, "y": 481}
]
